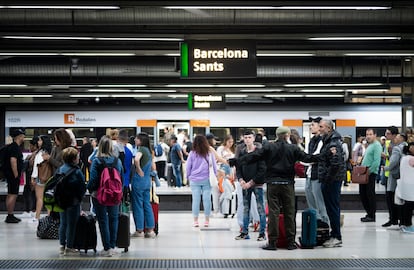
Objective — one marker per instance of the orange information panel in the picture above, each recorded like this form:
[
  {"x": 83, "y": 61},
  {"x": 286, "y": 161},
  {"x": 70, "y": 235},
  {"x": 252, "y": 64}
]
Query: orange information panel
[
  {"x": 345, "y": 122},
  {"x": 292, "y": 122},
  {"x": 199, "y": 123},
  {"x": 147, "y": 123}
]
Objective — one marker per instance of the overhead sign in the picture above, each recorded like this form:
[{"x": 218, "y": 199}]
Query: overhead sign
[
  {"x": 206, "y": 102},
  {"x": 218, "y": 59}
]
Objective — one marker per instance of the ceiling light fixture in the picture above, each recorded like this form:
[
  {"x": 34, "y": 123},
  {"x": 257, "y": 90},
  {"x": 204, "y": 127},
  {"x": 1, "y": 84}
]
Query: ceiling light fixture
[
  {"x": 282, "y": 7},
  {"x": 32, "y": 96},
  {"x": 178, "y": 96},
  {"x": 110, "y": 90},
  {"x": 236, "y": 96},
  {"x": 189, "y": 85},
  {"x": 240, "y": 85},
  {"x": 131, "y": 96},
  {"x": 89, "y": 96},
  {"x": 220, "y": 7},
  {"x": 48, "y": 37},
  {"x": 322, "y": 90},
  {"x": 331, "y": 84},
  {"x": 352, "y": 38},
  {"x": 59, "y": 7},
  {"x": 122, "y": 85},
  {"x": 13, "y": 85},
  {"x": 27, "y": 54},
  {"x": 139, "y": 39},
  {"x": 381, "y": 54},
  {"x": 95, "y": 38},
  {"x": 261, "y": 90},
  {"x": 284, "y": 54},
  {"x": 154, "y": 91},
  {"x": 96, "y": 54}
]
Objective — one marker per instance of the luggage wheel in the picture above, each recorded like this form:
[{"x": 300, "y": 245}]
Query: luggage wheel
[{"x": 125, "y": 249}]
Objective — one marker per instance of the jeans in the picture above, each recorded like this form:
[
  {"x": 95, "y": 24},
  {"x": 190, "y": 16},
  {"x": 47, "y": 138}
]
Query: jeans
[
  {"x": 367, "y": 194},
  {"x": 107, "y": 217},
  {"x": 140, "y": 198},
  {"x": 177, "y": 173},
  {"x": 67, "y": 226},
  {"x": 160, "y": 165},
  {"x": 198, "y": 189},
  {"x": 247, "y": 197},
  {"x": 315, "y": 200},
  {"x": 332, "y": 194}
]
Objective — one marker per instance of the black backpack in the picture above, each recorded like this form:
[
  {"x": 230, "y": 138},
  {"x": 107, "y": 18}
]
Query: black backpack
[
  {"x": 3, "y": 160},
  {"x": 57, "y": 197}
]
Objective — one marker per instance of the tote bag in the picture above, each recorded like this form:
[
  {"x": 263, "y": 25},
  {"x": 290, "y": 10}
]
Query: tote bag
[
  {"x": 212, "y": 176},
  {"x": 45, "y": 171}
]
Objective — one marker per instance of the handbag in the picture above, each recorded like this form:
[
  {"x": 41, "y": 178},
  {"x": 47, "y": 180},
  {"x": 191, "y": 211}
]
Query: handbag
[
  {"x": 212, "y": 176},
  {"x": 44, "y": 171},
  {"x": 360, "y": 175}
]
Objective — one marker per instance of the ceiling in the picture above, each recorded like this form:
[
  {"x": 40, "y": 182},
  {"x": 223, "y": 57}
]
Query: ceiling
[{"x": 128, "y": 51}]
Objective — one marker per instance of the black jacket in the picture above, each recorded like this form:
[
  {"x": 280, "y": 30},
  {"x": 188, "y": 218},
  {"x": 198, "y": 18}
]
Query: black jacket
[
  {"x": 280, "y": 158},
  {"x": 313, "y": 145},
  {"x": 253, "y": 171},
  {"x": 331, "y": 167}
]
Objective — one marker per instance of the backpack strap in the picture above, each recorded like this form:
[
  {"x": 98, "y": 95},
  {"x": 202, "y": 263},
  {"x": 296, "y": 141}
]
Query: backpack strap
[{"x": 115, "y": 163}]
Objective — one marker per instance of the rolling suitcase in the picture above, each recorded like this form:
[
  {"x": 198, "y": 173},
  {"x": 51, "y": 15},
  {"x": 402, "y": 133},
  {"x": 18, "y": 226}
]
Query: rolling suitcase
[
  {"x": 123, "y": 239},
  {"x": 85, "y": 233},
  {"x": 170, "y": 176},
  {"x": 309, "y": 228},
  {"x": 281, "y": 239}
]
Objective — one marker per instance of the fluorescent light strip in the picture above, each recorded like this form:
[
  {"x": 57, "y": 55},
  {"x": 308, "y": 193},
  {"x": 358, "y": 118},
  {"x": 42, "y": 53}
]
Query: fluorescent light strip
[
  {"x": 189, "y": 85},
  {"x": 352, "y": 38},
  {"x": 335, "y": 7},
  {"x": 236, "y": 96},
  {"x": 5, "y": 96},
  {"x": 154, "y": 91},
  {"x": 220, "y": 7},
  {"x": 322, "y": 90},
  {"x": 240, "y": 85},
  {"x": 60, "y": 7},
  {"x": 321, "y": 95},
  {"x": 261, "y": 90},
  {"x": 13, "y": 85},
  {"x": 284, "y": 54},
  {"x": 178, "y": 96},
  {"x": 97, "y": 54},
  {"x": 331, "y": 84},
  {"x": 95, "y": 38},
  {"x": 283, "y": 7},
  {"x": 139, "y": 39},
  {"x": 121, "y": 85},
  {"x": 131, "y": 96},
  {"x": 302, "y": 95},
  {"x": 356, "y": 91},
  {"x": 89, "y": 96},
  {"x": 27, "y": 54},
  {"x": 64, "y": 54},
  {"x": 381, "y": 97},
  {"x": 379, "y": 54},
  {"x": 71, "y": 85},
  {"x": 110, "y": 90},
  {"x": 32, "y": 96}
]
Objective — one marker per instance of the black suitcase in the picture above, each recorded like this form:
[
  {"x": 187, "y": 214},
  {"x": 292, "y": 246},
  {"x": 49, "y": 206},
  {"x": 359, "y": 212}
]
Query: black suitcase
[
  {"x": 170, "y": 176},
  {"x": 123, "y": 238},
  {"x": 85, "y": 233}
]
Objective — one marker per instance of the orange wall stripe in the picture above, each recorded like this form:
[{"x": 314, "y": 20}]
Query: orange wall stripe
[
  {"x": 345, "y": 122},
  {"x": 147, "y": 123},
  {"x": 199, "y": 123},
  {"x": 292, "y": 122}
]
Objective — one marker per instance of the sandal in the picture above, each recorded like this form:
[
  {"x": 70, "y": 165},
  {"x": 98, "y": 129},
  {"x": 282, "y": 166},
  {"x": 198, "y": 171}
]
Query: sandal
[{"x": 195, "y": 224}]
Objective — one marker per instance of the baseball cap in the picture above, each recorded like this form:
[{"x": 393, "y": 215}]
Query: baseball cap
[
  {"x": 282, "y": 130},
  {"x": 210, "y": 136},
  {"x": 17, "y": 132},
  {"x": 383, "y": 138},
  {"x": 315, "y": 119}
]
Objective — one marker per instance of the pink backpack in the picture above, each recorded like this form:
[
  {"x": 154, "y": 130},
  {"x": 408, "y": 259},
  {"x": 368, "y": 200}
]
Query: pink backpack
[{"x": 110, "y": 187}]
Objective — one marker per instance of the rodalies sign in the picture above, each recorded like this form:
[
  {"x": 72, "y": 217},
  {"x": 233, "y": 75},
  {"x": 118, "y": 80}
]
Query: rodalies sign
[{"x": 218, "y": 59}]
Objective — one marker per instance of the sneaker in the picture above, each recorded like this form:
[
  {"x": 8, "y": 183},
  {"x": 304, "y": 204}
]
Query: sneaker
[
  {"x": 113, "y": 251},
  {"x": 25, "y": 215},
  {"x": 292, "y": 246},
  {"x": 367, "y": 219},
  {"x": 105, "y": 253},
  {"x": 270, "y": 246},
  {"x": 71, "y": 252},
  {"x": 34, "y": 220},
  {"x": 196, "y": 224},
  {"x": 261, "y": 237},
  {"x": 62, "y": 250},
  {"x": 137, "y": 234},
  {"x": 408, "y": 229},
  {"x": 206, "y": 223},
  {"x": 150, "y": 234},
  {"x": 12, "y": 219},
  {"x": 242, "y": 236},
  {"x": 389, "y": 223},
  {"x": 333, "y": 242}
]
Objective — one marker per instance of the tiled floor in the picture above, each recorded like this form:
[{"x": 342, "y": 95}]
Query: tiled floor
[{"x": 179, "y": 240}]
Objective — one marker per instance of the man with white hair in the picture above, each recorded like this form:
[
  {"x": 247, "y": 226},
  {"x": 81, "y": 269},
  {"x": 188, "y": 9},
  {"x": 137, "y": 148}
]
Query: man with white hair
[{"x": 331, "y": 173}]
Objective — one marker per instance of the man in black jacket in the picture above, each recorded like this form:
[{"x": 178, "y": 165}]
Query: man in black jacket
[
  {"x": 331, "y": 173},
  {"x": 280, "y": 158},
  {"x": 251, "y": 178}
]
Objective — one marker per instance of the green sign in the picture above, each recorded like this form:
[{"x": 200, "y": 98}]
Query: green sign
[{"x": 218, "y": 59}]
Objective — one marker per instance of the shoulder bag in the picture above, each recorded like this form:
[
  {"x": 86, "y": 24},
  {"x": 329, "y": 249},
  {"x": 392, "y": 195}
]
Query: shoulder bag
[
  {"x": 212, "y": 175},
  {"x": 45, "y": 171},
  {"x": 360, "y": 175}
]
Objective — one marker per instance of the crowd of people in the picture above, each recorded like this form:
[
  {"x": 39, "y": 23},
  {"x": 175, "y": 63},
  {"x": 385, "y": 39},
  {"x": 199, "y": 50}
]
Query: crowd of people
[{"x": 255, "y": 174}]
